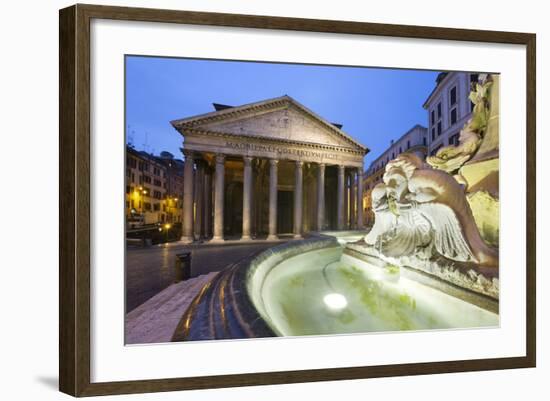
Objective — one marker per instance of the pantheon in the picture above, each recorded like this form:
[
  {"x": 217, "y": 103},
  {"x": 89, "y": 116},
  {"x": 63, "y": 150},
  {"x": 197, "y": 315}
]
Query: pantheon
[{"x": 266, "y": 169}]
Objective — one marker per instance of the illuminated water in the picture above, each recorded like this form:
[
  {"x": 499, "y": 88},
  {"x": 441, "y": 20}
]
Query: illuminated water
[{"x": 325, "y": 292}]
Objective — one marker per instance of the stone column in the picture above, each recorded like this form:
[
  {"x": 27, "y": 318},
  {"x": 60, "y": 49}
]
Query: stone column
[
  {"x": 360, "y": 223},
  {"x": 247, "y": 197},
  {"x": 272, "y": 199},
  {"x": 346, "y": 199},
  {"x": 340, "y": 204},
  {"x": 321, "y": 197},
  {"x": 187, "y": 236},
  {"x": 298, "y": 190},
  {"x": 353, "y": 200},
  {"x": 199, "y": 198},
  {"x": 218, "y": 198},
  {"x": 207, "y": 196}
]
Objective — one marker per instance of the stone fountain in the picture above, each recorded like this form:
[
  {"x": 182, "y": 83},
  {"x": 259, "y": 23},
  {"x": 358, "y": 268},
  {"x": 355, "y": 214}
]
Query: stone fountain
[{"x": 439, "y": 220}]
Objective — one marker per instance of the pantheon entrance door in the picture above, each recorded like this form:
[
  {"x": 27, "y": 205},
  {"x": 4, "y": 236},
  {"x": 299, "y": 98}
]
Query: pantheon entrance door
[{"x": 285, "y": 212}]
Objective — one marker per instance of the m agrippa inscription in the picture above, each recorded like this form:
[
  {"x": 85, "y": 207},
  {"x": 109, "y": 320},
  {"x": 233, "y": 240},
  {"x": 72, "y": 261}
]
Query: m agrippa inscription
[{"x": 302, "y": 153}]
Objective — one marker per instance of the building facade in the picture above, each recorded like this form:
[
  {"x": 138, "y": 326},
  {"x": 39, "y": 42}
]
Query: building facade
[
  {"x": 154, "y": 189},
  {"x": 449, "y": 108},
  {"x": 266, "y": 169},
  {"x": 414, "y": 140}
]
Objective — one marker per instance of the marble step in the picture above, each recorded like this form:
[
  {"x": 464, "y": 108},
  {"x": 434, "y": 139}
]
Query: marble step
[{"x": 155, "y": 320}]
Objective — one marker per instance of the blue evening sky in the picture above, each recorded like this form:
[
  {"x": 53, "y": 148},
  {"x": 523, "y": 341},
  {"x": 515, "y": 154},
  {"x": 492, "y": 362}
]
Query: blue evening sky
[{"x": 374, "y": 105}]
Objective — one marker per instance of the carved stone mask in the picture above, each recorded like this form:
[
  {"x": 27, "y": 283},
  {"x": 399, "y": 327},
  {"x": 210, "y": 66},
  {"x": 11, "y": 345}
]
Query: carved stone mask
[{"x": 396, "y": 183}]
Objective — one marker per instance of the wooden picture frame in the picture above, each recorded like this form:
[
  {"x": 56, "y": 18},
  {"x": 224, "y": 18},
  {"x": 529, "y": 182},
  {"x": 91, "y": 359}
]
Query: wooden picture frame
[{"x": 75, "y": 206}]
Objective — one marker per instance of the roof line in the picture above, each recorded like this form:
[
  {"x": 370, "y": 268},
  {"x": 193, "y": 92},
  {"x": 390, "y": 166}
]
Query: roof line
[
  {"x": 437, "y": 86},
  {"x": 235, "y": 110},
  {"x": 396, "y": 141}
]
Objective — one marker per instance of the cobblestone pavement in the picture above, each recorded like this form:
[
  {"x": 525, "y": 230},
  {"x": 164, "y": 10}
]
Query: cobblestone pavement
[{"x": 150, "y": 270}]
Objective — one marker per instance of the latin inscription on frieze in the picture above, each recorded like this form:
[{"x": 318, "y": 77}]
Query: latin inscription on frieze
[{"x": 280, "y": 150}]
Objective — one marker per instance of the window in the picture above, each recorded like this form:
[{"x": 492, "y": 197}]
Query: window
[
  {"x": 424, "y": 141},
  {"x": 146, "y": 179},
  {"x": 453, "y": 139},
  {"x": 433, "y": 117},
  {"x": 131, "y": 162},
  {"x": 453, "y": 116},
  {"x": 433, "y": 134},
  {"x": 400, "y": 151},
  {"x": 128, "y": 189},
  {"x": 147, "y": 206},
  {"x": 156, "y": 171},
  {"x": 439, "y": 128},
  {"x": 143, "y": 166},
  {"x": 157, "y": 183},
  {"x": 408, "y": 144},
  {"x": 439, "y": 110},
  {"x": 453, "y": 96},
  {"x": 156, "y": 207},
  {"x": 157, "y": 194}
]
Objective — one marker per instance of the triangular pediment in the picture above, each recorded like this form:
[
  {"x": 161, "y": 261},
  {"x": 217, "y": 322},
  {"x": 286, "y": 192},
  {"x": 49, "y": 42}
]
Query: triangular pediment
[{"x": 276, "y": 119}]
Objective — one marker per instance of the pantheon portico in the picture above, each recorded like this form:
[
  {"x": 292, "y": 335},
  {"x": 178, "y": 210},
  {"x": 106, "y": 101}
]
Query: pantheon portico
[{"x": 266, "y": 169}]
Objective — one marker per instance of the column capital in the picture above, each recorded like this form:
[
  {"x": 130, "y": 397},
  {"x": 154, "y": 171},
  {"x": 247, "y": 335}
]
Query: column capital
[
  {"x": 247, "y": 160},
  {"x": 273, "y": 162},
  {"x": 220, "y": 158},
  {"x": 299, "y": 163},
  {"x": 341, "y": 169},
  {"x": 189, "y": 154}
]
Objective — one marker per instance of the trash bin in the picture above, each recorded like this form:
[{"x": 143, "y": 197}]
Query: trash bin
[{"x": 182, "y": 267}]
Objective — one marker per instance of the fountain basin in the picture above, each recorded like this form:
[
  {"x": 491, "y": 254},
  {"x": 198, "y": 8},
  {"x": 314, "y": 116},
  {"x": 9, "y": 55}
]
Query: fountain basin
[
  {"x": 334, "y": 293},
  {"x": 314, "y": 287}
]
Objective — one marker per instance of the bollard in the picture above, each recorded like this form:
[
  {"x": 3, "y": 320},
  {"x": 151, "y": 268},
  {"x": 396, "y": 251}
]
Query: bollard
[{"x": 182, "y": 267}]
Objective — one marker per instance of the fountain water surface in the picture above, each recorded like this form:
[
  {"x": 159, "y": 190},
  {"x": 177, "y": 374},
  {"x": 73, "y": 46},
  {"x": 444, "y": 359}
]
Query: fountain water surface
[{"x": 327, "y": 292}]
